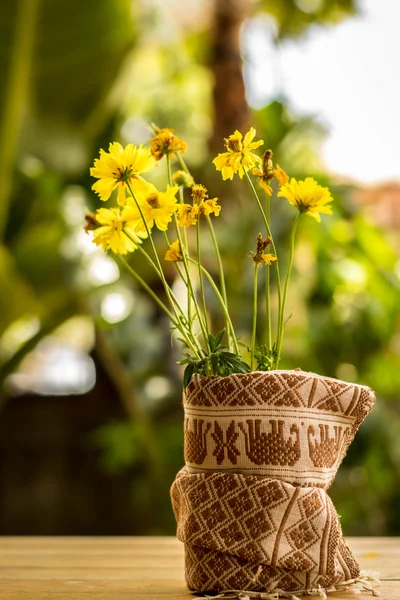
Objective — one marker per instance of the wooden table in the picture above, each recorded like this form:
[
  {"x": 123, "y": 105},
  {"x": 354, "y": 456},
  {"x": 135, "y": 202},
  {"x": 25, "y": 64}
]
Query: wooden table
[{"x": 142, "y": 568}]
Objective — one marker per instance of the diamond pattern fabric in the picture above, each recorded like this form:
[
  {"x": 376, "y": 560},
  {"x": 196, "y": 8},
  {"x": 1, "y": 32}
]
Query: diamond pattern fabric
[{"x": 261, "y": 449}]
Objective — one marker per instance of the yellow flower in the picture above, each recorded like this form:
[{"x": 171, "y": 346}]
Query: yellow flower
[
  {"x": 239, "y": 156},
  {"x": 118, "y": 167},
  {"x": 308, "y": 197},
  {"x": 117, "y": 230},
  {"x": 187, "y": 215},
  {"x": 259, "y": 256},
  {"x": 173, "y": 254},
  {"x": 210, "y": 206},
  {"x": 157, "y": 207},
  {"x": 166, "y": 142}
]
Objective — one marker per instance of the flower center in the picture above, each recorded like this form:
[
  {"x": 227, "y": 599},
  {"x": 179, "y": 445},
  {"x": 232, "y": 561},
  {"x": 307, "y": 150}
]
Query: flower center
[
  {"x": 303, "y": 206},
  {"x": 152, "y": 200},
  {"x": 123, "y": 173},
  {"x": 117, "y": 226},
  {"x": 233, "y": 145}
]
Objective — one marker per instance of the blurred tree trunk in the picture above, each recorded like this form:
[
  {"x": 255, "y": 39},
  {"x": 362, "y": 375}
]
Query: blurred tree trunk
[{"x": 231, "y": 110}]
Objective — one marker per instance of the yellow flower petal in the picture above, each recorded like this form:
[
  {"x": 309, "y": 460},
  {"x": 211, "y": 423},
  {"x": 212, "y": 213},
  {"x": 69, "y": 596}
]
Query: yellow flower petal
[
  {"x": 186, "y": 215},
  {"x": 104, "y": 187},
  {"x": 173, "y": 254},
  {"x": 207, "y": 207},
  {"x": 249, "y": 137}
]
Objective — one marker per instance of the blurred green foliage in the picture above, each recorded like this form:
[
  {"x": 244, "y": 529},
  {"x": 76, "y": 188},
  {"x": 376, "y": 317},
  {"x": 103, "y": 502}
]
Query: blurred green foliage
[
  {"x": 97, "y": 72},
  {"x": 294, "y": 18}
]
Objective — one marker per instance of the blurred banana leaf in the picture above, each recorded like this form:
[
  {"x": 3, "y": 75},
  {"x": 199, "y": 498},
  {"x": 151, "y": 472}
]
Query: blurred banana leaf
[
  {"x": 17, "y": 295},
  {"x": 72, "y": 55},
  {"x": 59, "y": 60}
]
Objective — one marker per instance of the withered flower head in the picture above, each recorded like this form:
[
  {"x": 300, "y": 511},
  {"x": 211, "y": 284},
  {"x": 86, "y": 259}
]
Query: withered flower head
[
  {"x": 268, "y": 172},
  {"x": 173, "y": 254},
  {"x": 199, "y": 193},
  {"x": 91, "y": 222},
  {"x": 187, "y": 215},
  {"x": 207, "y": 207},
  {"x": 268, "y": 165},
  {"x": 259, "y": 256},
  {"x": 166, "y": 142},
  {"x": 183, "y": 179}
]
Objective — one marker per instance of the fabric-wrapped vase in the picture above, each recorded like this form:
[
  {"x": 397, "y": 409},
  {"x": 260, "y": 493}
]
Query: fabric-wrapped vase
[{"x": 261, "y": 449}]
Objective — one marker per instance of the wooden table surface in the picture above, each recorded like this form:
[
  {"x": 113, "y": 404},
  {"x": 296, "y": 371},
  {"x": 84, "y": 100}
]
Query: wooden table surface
[{"x": 141, "y": 568}]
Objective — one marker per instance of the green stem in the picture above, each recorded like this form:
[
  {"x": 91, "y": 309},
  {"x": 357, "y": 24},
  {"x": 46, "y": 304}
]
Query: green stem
[
  {"x": 221, "y": 270},
  {"x": 174, "y": 302},
  {"x": 254, "y": 328},
  {"x": 169, "y": 169},
  {"x": 278, "y": 278},
  {"x": 160, "y": 271},
  {"x": 184, "y": 167},
  {"x": 203, "y": 296},
  {"x": 203, "y": 324},
  {"x": 176, "y": 263},
  {"x": 267, "y": 227},
  {"x": 154, "y": 266},
  {"x": 147, "y": 230},
  {"x": 268, "y": 323},
  {"x": 185, "y": 257},
  {"x": 181, "y": 201},
  {"x": 15, "y": 98},
  {"x": 148, "y": 289},
  {"x": 187, "y": 284},
  {"x": 221, "y": 301},
  {"x": 189, "y": 300},
  {"x": 182, "y": 163},
  {"x": 285, "y": 290},
  {"x": 149, "y": 260}
]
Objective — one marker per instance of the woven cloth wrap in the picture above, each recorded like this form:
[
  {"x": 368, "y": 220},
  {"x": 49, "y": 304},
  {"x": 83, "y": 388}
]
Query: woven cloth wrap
[{"x": 261, "y": 449}]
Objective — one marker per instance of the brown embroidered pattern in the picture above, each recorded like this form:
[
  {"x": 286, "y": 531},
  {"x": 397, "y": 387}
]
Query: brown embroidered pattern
[
  {"x": 326, "y": 451},
  {"x": 229, "y": 445},
  {"x": 196, "y": 441},
  {"x": 271, "y": 448},
  {"x": 261, "y": 449},
  {"x": 281, "y": 424},
  {"x": 230, "y": 534}
]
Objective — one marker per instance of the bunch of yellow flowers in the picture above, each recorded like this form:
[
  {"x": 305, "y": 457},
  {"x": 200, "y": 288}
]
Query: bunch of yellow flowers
[{"x": 140, "y": 207}]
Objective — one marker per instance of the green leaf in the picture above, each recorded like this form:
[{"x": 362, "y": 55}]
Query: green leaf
[
  {"x": 187, "y": 376},
  {"x": 211, "y": 342},
  {"x": 214, "y": 364},
  {"x": 218, "y": 338}
]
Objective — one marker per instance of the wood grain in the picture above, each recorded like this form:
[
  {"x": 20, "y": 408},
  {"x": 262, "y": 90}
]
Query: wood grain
[{"x": 141, "y": 568}]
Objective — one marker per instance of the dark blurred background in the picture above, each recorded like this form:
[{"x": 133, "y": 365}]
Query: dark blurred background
[{"x": 91, "y": 417}]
